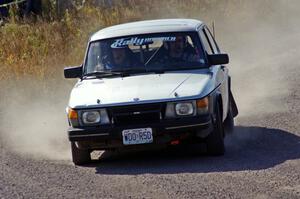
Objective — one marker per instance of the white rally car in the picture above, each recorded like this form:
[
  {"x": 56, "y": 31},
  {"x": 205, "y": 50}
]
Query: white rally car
[{"x": 158, "y": 82}]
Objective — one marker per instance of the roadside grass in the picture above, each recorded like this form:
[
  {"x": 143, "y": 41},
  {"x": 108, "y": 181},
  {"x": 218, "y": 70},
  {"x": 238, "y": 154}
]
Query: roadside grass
[{"x": 40, "y": 49}]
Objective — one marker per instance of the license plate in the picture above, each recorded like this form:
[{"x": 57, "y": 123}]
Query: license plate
[{"x": 137, "y": 136}]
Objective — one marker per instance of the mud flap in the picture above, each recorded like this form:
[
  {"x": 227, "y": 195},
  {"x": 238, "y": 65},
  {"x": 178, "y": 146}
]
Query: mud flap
[{"x": 233, "y": 105}]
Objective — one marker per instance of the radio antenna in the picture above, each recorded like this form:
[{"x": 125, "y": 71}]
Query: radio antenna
[{"x": 213, "y": 29}]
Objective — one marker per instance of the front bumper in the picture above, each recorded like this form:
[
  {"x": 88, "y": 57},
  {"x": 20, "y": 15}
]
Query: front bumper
[{"x": 110, "y": 136}]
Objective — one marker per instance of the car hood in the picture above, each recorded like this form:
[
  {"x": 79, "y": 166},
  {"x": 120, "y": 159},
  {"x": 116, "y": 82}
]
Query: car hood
[{"x": 139, "y": 88}]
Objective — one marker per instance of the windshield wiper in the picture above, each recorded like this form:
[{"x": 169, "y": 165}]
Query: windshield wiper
[
  {"x": 105, "y": 74},
  {"x": 142, "y": 70},
  {"x": 131, "y": 71},
  {"x": 157, "y": 71}
]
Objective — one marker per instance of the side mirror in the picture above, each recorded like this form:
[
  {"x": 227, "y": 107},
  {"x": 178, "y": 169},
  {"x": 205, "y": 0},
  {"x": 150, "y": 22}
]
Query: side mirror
[
  {"x": 218, "y": 59},
  {"x": 73, "y": 72}
]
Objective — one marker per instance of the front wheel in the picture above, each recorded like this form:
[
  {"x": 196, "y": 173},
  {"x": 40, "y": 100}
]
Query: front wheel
[
  {"x": 80, "y": 156},
  {"x": 215, "y": 140}
]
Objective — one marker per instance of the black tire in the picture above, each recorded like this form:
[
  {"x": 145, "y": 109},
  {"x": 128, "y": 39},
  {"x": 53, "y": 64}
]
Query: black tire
[
  {"x": 215, "y": 140},
  {"x": 80, "y": 156}
]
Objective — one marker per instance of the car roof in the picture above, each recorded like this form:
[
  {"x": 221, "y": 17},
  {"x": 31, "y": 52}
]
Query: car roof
[{"x": 145, "y": 27}]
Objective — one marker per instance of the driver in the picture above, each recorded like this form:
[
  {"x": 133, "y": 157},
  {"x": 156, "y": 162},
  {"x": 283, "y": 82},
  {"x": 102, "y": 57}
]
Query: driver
[
  {"x": 120, "y": 57},
  {"x": 178, "y": 51}
]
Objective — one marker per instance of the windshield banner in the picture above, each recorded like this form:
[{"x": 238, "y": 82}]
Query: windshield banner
[{"x": 120, "y": 43}]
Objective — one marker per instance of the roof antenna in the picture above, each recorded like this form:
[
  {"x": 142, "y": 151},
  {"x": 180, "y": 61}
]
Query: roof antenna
[{"x": 213, "y": 29}]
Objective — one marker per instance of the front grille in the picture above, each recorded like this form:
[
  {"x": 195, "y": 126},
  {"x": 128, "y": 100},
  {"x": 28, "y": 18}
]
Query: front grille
[{"x": 136, "y": 114}]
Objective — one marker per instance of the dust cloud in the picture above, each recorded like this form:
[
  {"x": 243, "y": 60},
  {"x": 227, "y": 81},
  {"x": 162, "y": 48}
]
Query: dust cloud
[{"x": 33, "y": 123}]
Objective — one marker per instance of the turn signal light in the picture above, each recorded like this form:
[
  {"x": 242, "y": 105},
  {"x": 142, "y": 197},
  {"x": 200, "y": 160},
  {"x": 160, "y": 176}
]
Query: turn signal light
[
  {"x": 72, "y": 114},
  {"x": 202, "y": 103}
]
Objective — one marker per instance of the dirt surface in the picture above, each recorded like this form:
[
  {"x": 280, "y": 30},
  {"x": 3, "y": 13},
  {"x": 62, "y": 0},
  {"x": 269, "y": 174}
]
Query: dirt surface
[{"x": 262, "y": 161}]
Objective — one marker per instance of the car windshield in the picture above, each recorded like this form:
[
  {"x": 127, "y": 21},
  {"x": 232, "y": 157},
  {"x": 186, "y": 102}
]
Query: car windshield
[{"x": 145, "y": 53}]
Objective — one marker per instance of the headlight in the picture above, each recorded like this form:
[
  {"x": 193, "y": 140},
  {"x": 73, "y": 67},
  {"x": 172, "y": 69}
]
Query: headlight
[
  {"x": 184, "y": 109},
  {"x": 94, "y": 117},
  {"x": 187, "y": 108},
  {"x": 174, "y": 109},
  {"x": 91, "y": 117}
]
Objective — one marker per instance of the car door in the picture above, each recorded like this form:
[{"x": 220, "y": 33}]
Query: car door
[{"x": 220, "y": 72}]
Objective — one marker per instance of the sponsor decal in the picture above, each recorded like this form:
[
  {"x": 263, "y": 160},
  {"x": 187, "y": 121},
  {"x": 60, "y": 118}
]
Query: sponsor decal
[{"x": 120, "y": 43}]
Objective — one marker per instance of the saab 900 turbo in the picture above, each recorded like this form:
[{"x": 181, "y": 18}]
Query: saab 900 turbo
[{"x": 157, "y": 82}]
